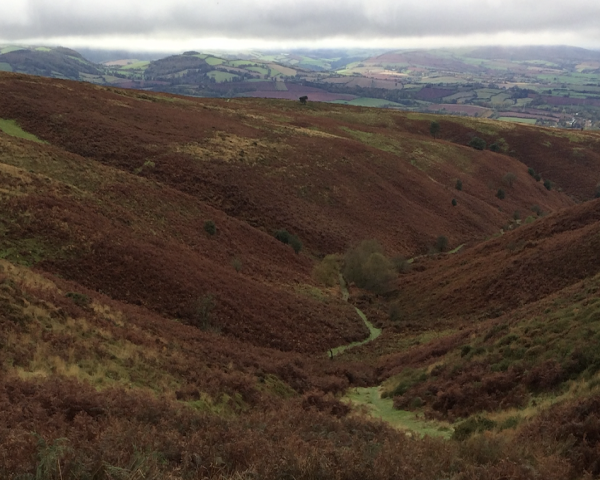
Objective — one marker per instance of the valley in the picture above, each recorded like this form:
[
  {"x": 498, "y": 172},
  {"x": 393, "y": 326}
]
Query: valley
[
  {"x": 236, "y": 288},
  {"x": 550, "y": 86}
]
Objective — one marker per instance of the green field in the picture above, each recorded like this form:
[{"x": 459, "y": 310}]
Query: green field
[
  {"x": 5, "y": 67},
  {"x": 141, "y": 65},
  {"x": 10, "y": 48},
  {"x": 12, "y": 128},
  {"x": 221, "y": 77},
  {"x": 368, "y": 102},
  {"x": 530, "y": 121},
  {"x": 214, "y": 61},
  {"x": 261, "y": 70}
]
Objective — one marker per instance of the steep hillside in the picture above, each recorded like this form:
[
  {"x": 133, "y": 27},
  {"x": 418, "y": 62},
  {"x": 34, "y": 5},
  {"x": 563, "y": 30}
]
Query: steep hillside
[
  {"x": 153, "y": 326},
  {"x": 331, "y": 174},
  {"x": 516, "y": 269}
]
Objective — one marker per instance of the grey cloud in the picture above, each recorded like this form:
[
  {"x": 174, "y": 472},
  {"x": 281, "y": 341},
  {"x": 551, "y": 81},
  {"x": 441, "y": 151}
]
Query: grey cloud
[{"x": 295, "y": 20}]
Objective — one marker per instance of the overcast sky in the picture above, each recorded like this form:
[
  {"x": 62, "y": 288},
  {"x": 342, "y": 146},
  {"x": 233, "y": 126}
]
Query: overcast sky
[{"x": 177, "y": 25}]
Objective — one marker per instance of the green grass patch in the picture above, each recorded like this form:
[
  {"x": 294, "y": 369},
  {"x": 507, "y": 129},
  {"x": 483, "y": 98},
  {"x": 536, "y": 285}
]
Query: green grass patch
[
  {"x": 242, "y": 63},
  {"x": 529, "y": 121},
  {"x": 141, "y": 65},
  {"x": 383, "y": 409},
  {"x": 12, "y": 128},
  {"x": 214, "y": 61},
  {"x": 5, "y": 67},
  {"x": 371, "y": 102},
  {"x": 221, "y": 77},
  {"x": 10, "y": 48},
  {"x": 261, "y": 70}
]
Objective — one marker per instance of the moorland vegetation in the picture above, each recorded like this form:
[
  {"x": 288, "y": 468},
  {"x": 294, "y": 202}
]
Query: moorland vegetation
[{"x": 158, "y": 321}]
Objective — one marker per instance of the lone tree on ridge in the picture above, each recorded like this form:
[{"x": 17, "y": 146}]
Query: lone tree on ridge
[{"x": 434, "y": 129}]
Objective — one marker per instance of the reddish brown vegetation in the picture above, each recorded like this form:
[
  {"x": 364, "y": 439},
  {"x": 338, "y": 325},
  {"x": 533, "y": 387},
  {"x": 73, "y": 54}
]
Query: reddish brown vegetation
[
  {"x": 111, "y": 215},
  {"x": 520, "y": 267},
  {"x": 154, "y": 437}
]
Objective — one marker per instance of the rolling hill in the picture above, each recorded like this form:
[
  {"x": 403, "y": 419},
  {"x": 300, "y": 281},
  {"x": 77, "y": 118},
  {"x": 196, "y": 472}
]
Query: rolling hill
[{"x": 153, "y": 324}]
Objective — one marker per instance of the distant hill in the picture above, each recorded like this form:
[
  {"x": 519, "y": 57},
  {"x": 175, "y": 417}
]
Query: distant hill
[
  {"x": 538, "y": 52},
  {"x": 49, "y": 62},
  {"x": 553, "y": 86}
]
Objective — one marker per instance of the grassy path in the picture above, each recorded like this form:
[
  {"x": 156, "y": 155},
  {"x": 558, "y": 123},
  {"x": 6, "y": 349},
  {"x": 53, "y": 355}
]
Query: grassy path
[
  {"x": 374, "y": 332},
  {"x": 383, "y": 409}
]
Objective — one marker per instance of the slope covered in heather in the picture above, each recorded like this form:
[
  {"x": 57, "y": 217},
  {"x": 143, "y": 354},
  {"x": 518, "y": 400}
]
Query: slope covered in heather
[{"x": 152, "y": 325}]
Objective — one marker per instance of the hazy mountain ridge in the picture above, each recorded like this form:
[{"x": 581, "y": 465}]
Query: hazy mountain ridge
[{"x": 553, "y": 85}]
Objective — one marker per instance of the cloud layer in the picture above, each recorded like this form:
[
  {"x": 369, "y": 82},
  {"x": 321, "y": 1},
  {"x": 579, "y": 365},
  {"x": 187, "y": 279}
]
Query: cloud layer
[{"x": 300, "y": 21}]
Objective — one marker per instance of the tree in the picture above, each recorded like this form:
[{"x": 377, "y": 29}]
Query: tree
[
  {"x": 454, "y": 202},
  {"x": 368, "y": 267},
  {"x": 289, "y": 239},
  {"x": 303, "y": 99},
  {"x": 458, "y": 185},
  {"x": 210, "y": 227},
  {"x": 500, "y": 194},
  {"x": 434, "y": 129},
  {"x": 477, "y": 143}
]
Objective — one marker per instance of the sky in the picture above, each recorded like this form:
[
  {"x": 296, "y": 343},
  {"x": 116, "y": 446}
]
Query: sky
[{"x": 179, "y": 25}]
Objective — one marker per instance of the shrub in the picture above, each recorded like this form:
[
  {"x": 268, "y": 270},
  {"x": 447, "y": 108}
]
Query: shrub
[
  {"x": 201, "y": 315},
  {"x": 289, "y": 239},
  {"x": 327, "y": 271},
  {"x": 237, "y": 264},
  {"x": 537, "y": 177},
  {"x": 548, "y": 184},
  {"x": 210, "y": 227},
  {"x": 368, "y": 267},
  {"x": 441, "y": 244},
  {"x": 434, "y": 129},
  {"x": 401, "y": 265},
  {"x": 477, "y": 143},
  {"x": 500, "y": 194},
  {"x": 537, "y": 210},
  {"x": 509, "y": 179},
  {"x": 494, "y": 147},
  {"x": 473, "y": 425},
  {"x": 454, "y": 202},
  {"x": 531, "y": 171},
  {"x": 394, "y": 312},
  {"x": 79, "y": 299},
  {"x": 282, "y": 235},
  {"x": 516, "y": 215},
  {"x": 458, "y": 185},
  {"x": 295, "y": 243}
]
